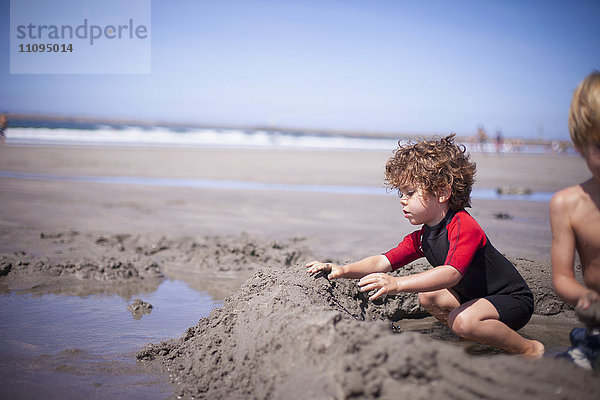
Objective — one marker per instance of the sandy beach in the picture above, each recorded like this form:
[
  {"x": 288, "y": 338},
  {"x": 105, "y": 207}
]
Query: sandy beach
[
  {"x": 279, "y": 331},
  {"x": 333, "y": 225}
]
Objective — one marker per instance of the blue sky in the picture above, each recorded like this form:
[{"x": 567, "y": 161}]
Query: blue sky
[{"x": 380, "y": 66}]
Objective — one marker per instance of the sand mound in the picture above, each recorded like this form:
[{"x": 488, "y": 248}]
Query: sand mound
[
  {"x": 538, "y": 276},
  {"x": 286, "y": 334},
  {"x": 54, "y": 260}
]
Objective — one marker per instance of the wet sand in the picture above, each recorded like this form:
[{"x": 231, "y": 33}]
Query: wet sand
[
  {"x": 346, "y": 226},
  {"x": 283, "y": 331},
  {"x": 285, "y": 334}
]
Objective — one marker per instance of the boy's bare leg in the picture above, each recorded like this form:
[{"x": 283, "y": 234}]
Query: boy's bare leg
[
  {"x": 439, "y": 303},
  {"x": 478, "y": 320}
]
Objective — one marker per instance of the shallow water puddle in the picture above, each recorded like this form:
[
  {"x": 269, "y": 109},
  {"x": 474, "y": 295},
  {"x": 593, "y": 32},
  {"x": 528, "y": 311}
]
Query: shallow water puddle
[
  {"x": 551, "y": 331},
  {"x": 57, "y": 346},
  {"x": 66, "y": 346},
  {"x": 480, "y": 194}
]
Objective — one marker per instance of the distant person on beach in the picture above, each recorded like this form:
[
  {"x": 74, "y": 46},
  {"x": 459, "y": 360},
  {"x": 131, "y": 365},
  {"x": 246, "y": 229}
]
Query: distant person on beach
[
  {"x": 480, "y": 138},
  {"x": 3, "y": 124},
  {"x": 499, "y": 140},
  {"x": 473, "y": 289},
  {"x": 575, "y": 222}
]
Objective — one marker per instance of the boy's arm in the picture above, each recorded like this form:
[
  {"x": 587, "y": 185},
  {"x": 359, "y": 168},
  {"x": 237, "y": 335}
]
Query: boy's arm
[
  {"x": 563, "y": 250},
  {"x": 378, "y": 263},
  {"x": 442, "y": 277}
]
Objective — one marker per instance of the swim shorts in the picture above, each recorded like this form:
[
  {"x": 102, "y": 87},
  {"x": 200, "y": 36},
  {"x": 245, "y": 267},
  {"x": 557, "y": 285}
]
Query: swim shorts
[{"x": 515, "y": 310}]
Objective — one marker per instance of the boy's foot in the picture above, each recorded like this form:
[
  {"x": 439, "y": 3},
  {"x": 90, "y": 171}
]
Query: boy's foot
[{"x": 537, "y": 349}]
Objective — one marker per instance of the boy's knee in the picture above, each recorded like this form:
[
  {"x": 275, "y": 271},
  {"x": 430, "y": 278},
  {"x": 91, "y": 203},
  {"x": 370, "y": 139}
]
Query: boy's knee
[
  {"x": 462, "y": 324},
  {"x": 426, "y": 299}
]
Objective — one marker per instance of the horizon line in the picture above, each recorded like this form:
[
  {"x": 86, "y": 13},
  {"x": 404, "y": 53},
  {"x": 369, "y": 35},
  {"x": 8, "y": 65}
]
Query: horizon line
[{"x": 147, "y": 122}]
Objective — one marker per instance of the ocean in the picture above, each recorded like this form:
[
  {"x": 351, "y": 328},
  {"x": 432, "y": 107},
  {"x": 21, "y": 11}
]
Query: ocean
[
  {"x": 77, "y": 133},
  {"x": 73, "y": 133}
]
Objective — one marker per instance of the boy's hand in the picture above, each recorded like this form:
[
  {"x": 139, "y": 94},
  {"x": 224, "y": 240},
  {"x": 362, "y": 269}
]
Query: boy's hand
[
  {"x": 588, "y": 309},
  {"x": 335, "y": 271},
  {"x": 386, "y": 284},
  {"x": 587, "y": 299}
]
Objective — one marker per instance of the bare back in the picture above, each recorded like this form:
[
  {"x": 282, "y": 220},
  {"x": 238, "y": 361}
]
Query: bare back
[
  {"x": 586, "y": 224},
  {"x": 579, "y": 206}
]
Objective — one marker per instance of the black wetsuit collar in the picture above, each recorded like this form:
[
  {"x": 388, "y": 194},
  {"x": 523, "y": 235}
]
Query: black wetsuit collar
[{"x": 443, "y": 222}]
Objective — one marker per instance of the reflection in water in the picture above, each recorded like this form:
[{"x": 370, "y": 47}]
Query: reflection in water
[
  {"x": 553, "y": 332},
  {"x": 64, "y": 346},
  {"x": 89, "y": 287}
]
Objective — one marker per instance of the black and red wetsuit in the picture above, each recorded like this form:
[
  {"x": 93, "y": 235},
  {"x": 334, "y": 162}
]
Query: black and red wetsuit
[{"x": 459, "y": 241}]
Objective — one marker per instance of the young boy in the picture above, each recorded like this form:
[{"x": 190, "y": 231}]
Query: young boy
[
  {"x": 472, "y": 288},
  {"x": 575, "y": 221}
]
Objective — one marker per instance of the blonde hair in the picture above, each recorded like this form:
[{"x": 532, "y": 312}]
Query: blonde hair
[
  {"x": 584, "y": 114},
  {"x": 433, "y": 165}
]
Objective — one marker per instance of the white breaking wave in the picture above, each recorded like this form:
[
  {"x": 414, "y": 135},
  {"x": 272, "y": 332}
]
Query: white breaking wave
[
  {"x": 164, "y": 137},
  {"x": 139, "y": 136}
]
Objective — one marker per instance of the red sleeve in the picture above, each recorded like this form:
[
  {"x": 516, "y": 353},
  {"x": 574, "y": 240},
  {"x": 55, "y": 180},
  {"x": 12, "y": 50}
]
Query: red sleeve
[
  {"x": 408, "y": 250},
  {"x": 465, "y": 237}
]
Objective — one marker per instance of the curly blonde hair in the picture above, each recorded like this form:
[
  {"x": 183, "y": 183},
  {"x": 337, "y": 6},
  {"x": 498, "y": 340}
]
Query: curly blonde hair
[
  {"x": 433, "y": 165},
  {"x": 584, "y": 113}
]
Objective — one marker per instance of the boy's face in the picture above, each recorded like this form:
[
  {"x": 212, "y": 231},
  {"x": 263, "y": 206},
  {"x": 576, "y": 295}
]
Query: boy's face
[
  {"x": 421, "y": 207},
  {"x": 591, "y": 153}
]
